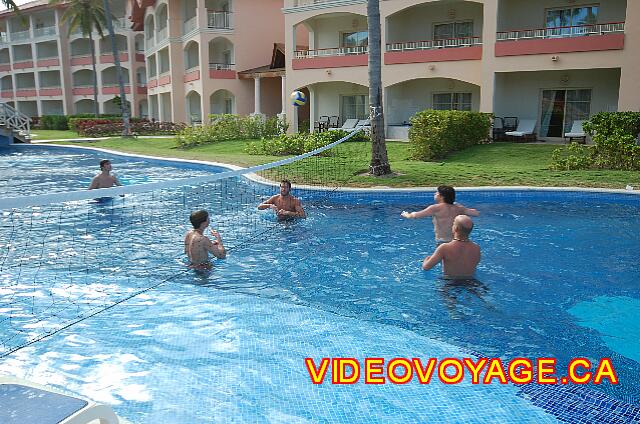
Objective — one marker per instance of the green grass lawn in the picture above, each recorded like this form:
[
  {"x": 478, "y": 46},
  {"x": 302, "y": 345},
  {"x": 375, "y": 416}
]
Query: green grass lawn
[
  {"x": 52, "y": 134},
  {"x": 499, "y": 164}
]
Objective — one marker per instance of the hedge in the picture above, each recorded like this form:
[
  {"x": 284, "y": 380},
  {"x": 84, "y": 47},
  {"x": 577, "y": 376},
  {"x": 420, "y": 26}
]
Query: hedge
[
  {"x": 108, "y": 128},
  {"x": 296, "y": 144},
  {"x": 436, "y": 133}
]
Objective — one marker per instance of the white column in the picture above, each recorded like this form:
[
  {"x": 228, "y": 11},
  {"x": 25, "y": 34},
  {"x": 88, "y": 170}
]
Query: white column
[
  {"x": 256, "y": 96},
  {"x": 284, "y": 95}
]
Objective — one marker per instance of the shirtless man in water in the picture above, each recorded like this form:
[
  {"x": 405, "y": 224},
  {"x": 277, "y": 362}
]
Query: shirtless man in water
[
  {"x": 197, "y": 246},
  {"x": 104, "y": 179},
  {"x": 443, "y": 213},
  {"x": 284, "y": 204},
  {"x": 459, "y": 257}
]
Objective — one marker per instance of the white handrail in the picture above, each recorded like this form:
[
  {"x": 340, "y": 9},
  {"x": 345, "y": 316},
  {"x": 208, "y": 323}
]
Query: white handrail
[
  {"x": 336, "y": 51},
  {"x": 434, "y": 44},
  {"x": 15, "y": 120},
  {"x": 559, "y": 32}
]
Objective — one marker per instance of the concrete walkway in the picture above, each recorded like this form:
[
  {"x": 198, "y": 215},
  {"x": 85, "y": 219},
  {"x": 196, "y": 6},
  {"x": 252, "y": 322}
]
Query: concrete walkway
[{"x": 89, "y": 139}]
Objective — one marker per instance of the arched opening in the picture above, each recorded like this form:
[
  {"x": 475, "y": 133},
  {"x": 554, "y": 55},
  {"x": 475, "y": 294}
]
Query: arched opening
[
  {"x": 80, "y": 47},
  {"x": 219, "y": 14},
  {"x": 84, "y": 106},
  {"x": 139, "y": 43},
  {"x": 110, "y": 76},
  {"x": 333, "y": 34},
  {"x": 221, "y": 54},
  {"x": 191, "y": 55},
  {"x": 143, "y": 109},
  {"x": 149, "y": 31},
  {"x": 162, "y": 19},
  {"x": 223, "y": 101},
  {"x": 106, "y": 47},
  {"x": 194, "y": 111},
  {"x": 112, "y": 107},
  {"x": 82, "y": 78}
]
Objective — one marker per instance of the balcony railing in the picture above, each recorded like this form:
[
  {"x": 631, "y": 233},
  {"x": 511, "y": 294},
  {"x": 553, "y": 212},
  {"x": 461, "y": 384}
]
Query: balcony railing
[
  {"x": 222, "y": 66},
  {"x": 334, "y": 51},
  {"x": 434, "y": 44},
  {"x": 44, "y": 31},
  {"x": 162, "y": 34},
  {"x": 297, "y": 3},
  {"x": 190, "y": 25},
  {"x": 21, "y": 35},
  {"x": 559, "y": 32},
  {"x": 149, "y": 43},
  {"x": 121, "y": 23},
  {"x": 220, "y": 20}
]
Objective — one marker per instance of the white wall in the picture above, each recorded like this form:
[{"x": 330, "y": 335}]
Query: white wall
[
  {"x": 416, "y": 23},
  {"x": 327, "y": 29},
  {"x": 326, "y": 97},
  {"x": 527, "y": 14},
  {"x": 519, "y": 93},
  {"x": 404, "y": 100}
]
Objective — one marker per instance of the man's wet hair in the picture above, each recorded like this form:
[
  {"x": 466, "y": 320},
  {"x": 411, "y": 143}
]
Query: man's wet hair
[
  {"x": 198, "y": 217},
  {"x": 287, "y": 183},
  {"x": 448, "y": 194},
  {"x": 103, "y": 162}
]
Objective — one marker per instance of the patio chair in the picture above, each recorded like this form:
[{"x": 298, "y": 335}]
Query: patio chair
[
  {"x": 524, "y": 132},
  {"x": 497, "y": 129},
  {"x": 321, "y": 124},
  {"x": 363, "y": 124},
  {"x": 348, "y": 125},
  {"x": 23, "y": 402},
  {"x": 334, "y": 121},
  {"x": 510, "y": 123},
  {"x": 576, "y": 132}
]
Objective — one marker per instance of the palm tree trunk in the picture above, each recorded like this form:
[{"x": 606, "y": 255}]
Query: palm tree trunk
[
  {"x": 379, "y": 160},
  {"x": 126, "y": 131},
  {"x": 96, "y": 107}
]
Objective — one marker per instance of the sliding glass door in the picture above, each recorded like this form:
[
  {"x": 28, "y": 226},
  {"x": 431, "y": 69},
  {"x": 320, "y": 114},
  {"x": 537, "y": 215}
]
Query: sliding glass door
[{"x": 560, "y": 108}]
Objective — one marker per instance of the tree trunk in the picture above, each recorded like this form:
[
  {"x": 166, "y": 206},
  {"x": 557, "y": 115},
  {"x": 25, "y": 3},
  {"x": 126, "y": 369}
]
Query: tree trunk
[
  {"x": 126, "y": 131},
  {"x": 379, "y": 161},
  {"x": 96, "y": 106}
]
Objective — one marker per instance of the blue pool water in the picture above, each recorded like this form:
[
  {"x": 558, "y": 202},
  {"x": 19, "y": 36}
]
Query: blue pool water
[{"x": 559, "y": 279}]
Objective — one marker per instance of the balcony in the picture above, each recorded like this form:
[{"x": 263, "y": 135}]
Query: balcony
[
  {"x": 190, "y": 25},
  {"x": 6, "y": 93},
  {"x": 583, "y": 38},
  {"x": 115, "y": 89},
  {"x": 19, "y": 36},
  {"x": 450, "y": 49},
  {"x": 44, "y": 62},
  {"x": 45, "y": 32},
  {"x": 50, "y": 91},
  {"x": 222, "y": 71},
  {"x": 219, "y": 20},
  {"x": 192, "y": 74},
  {"x": 82, "y": 90},
  {"x": 335, "y": 57}
]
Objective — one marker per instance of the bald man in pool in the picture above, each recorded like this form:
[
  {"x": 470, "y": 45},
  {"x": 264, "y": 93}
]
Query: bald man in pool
[{"x": 460, "y": 256}]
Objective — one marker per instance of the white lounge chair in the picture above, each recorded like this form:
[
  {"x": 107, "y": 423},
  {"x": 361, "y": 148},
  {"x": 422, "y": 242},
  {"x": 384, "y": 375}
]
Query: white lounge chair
[
  {"x": 348, "y": 125},
  {"x": 525, "y": 130},
  {"x": 24, "y": 402},
  {"x": 576, "y": 132}
]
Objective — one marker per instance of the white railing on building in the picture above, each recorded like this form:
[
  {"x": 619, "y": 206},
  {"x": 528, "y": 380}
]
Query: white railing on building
[
  {"x": 21, "y": 35},
  {"x": 219, "y": 20},
  {"x": 162, "y": 34},
  {"x": 15, "y": 120},
  {"x": 334, "y": 51},
  {"x": 44, "y": 31},
  {"x": 3, "y": 38},
  {"x": 121, "y": 23},
  {"x": 297, "y": 3},
  {"x": 434, "y": 44},
  {"x": 149, "y": 43},
  {"x": 192, "y": 69},
  {"x": 559, "y": 32},
  {"x": 222, "y": 66},
  {"x": 190, "y": 24}
]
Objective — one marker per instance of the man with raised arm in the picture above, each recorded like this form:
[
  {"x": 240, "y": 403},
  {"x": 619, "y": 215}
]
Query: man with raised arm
[
  {"x": 104, "y": 179},
  {"x": 443, "y": 213},
  {"x": 197, "y": 246},
  {"x": 460, "y": 256},
  {"x": 284, "y": 204}
]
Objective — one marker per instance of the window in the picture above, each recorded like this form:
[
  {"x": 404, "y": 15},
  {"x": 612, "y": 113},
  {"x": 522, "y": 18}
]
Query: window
[
  {"x": 452, "y": 101},
  {"x": 355, "y": 107},
  {"x": 559, "y": 21},
  {"x": 354, "y": 39},
  {"x": 228, "y": 106},
  {"x": 453, "y": 30}
]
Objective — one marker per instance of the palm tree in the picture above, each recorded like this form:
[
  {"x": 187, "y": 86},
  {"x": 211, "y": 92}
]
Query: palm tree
[
  {"x": 379, "y": 160},
  {"x": 10, "y": 4},
  {"x": 86, "y": 15},
  {"x": 126, "y": 131}
]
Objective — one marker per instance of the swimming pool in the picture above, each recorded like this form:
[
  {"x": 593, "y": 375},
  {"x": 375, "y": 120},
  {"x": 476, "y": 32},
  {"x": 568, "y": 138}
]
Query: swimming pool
[{"x": 559, "y": 281}]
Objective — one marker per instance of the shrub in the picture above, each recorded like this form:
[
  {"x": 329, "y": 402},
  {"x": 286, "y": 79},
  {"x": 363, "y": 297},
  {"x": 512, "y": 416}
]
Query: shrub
[
  {"x": 54, "y": 122},
  {"x": 296, "y": 144},
  {"x": 109, "y": 128},
  {"x": 74, "y": 119},
  {"x": 615, "y": 144},
  {"x": 230, "y": 127},
  {"x": 436, "y": 133}
]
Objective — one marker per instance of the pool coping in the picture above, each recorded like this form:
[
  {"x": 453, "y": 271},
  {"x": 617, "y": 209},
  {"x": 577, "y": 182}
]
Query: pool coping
[{"x": 375, "y": 189}]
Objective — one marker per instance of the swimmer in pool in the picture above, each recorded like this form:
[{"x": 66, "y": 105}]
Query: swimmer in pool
[
  {"x": 443, "y": 213},
  {"x": 197, "y": 246},
  {"x": 460, "y": 256},
  {"x": 104, "y": 179},
  {"x": 284, "y": 204}
]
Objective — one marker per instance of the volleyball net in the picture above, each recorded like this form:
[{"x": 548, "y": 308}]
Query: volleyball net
[{"x": 65, "y": 257}]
